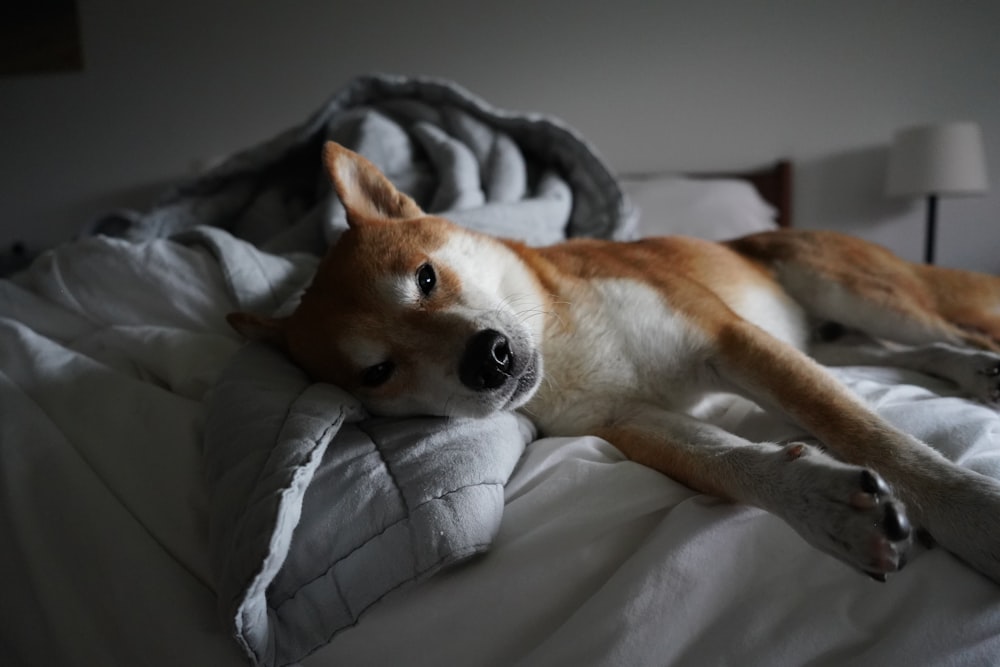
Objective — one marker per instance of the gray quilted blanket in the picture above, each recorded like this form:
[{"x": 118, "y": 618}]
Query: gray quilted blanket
[{"x": 317, "y": 510}]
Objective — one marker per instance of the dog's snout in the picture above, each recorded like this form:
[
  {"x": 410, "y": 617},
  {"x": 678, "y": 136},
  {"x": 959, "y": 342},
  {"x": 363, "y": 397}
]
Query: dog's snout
[{"x": 487, "y": 361}]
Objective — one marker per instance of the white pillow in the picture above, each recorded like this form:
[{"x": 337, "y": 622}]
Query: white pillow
[{"x": 713, "y": 209}]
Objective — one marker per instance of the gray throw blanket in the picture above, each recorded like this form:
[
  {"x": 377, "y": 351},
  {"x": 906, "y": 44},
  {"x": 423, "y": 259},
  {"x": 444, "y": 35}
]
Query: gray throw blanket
[
  {"x": 317, "y": 510},
  {"x": 520, "y": 175}
]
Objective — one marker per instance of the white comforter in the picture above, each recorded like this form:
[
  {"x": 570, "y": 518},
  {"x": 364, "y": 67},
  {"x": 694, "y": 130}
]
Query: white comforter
[{"x": 106, "y": 352}]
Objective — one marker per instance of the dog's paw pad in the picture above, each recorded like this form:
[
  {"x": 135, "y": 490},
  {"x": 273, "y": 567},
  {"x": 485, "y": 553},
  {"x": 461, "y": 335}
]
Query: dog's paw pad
[{"x": 894, "y": 561}]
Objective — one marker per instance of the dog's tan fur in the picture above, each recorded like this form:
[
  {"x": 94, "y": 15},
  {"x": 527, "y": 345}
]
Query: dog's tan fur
[{"x": 415, "y": 314}]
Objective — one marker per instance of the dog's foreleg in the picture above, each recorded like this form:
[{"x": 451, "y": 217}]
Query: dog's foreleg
[
  {"x": 960, "y": 508},
  {"x": 844, "y": 510}
]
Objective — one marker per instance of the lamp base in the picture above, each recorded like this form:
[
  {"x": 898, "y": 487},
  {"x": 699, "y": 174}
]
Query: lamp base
[{"x": 931, "y": 233}]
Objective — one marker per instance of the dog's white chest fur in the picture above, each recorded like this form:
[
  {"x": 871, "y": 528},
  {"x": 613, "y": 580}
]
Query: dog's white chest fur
[{"x": 623, "y": 345}]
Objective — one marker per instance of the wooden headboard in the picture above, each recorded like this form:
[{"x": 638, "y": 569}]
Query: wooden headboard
[{"x": 773, "y": 182}]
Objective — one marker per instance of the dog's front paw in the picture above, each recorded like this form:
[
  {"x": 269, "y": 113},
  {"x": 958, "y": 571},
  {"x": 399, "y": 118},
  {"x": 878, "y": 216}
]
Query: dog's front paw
[{"x": 844, "y": 510}]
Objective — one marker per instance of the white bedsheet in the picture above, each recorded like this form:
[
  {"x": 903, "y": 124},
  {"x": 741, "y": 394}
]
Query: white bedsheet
[
  {"x": 601, "y": 561},
  {"x": 106, "y": 352}
]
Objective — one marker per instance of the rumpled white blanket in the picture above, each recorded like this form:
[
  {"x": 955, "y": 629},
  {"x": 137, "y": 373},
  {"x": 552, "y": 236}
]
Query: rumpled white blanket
[{"x": 106, "y": 351}]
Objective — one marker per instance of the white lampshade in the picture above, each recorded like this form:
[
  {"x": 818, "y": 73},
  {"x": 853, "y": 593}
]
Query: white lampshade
[{"x": 945, "y": 159}]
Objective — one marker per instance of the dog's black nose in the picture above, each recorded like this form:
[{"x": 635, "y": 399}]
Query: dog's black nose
[{"x": 487, "y": 361}]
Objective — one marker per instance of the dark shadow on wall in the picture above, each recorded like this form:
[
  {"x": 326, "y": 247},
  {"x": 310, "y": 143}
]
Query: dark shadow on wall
[
  {"x": 82, "y": 217},
  {"x": 846, "y": 191},
  {"x": 103, "y": 209}
]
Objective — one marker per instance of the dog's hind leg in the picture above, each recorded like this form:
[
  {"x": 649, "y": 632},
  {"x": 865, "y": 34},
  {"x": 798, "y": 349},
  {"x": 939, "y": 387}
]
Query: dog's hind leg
[
  {"x": 938, "y": 321},
  {"x": 862, "y": 286}
]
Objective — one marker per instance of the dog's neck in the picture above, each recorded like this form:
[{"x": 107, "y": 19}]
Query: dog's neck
[{"x": 538, "y": 274}]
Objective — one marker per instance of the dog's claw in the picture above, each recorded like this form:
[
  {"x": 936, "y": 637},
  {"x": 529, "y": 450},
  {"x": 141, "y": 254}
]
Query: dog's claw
[
  {"x": 873, "y": 484},
  {"x": 878, "y": 576}
]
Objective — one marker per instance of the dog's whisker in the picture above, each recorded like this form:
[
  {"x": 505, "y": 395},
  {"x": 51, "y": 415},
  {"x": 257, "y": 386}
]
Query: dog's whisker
[
  {"x": 530, "y": 413},
  {"x": 549, "y": 383},
  {"x": 525, "y": 315},
  {"x": 448, "y": 409}
]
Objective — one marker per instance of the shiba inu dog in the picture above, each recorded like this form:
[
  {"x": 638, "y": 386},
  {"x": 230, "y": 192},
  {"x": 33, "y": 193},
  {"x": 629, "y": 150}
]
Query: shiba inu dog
[{"x": 416, "y": 315}]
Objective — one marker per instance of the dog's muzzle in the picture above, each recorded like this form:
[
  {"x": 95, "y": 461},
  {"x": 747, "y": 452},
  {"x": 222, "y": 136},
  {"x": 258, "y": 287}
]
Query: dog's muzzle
[
  {"x": 503, "y": 372},
  {"x": 488, "y": 361}
]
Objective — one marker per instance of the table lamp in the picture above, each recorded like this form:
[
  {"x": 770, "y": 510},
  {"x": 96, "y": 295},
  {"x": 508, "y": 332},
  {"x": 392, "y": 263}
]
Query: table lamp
[{"x": 934, "y": 161}]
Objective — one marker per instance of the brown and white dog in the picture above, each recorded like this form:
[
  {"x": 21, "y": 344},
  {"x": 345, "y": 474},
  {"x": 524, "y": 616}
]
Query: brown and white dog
[{"x": 416, "y": 315}]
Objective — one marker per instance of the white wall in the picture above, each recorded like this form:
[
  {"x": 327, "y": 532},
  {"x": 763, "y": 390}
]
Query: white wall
[{"x": 679, "y": 84}]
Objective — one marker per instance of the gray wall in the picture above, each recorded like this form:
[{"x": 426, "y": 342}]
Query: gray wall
[{"x": 677, "y": 84}]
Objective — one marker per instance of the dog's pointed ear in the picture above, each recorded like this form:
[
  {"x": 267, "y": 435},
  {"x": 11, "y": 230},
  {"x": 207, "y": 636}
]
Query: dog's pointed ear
[
  {"x": 257, "y": 328},
  {"x": 365, "y": 192}
]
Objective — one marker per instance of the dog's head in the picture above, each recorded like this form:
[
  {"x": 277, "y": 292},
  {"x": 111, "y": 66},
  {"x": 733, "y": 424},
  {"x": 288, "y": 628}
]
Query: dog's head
[{"x": 411, "y": 313}]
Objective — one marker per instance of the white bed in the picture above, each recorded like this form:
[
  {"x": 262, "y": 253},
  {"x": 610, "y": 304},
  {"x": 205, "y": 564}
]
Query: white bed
[{"x": 110, "y": 354}]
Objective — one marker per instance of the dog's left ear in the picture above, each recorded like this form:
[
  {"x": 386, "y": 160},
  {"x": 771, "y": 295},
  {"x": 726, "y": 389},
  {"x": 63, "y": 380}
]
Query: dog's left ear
[
  {"x": 365, "y": 192},
  {"x": 257, "y": 328}
]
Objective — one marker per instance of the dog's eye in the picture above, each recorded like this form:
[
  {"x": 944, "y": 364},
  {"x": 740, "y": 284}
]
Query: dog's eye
[
  {"x": 426, "y": 279},
  {"x": 379, "y": 374}
]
